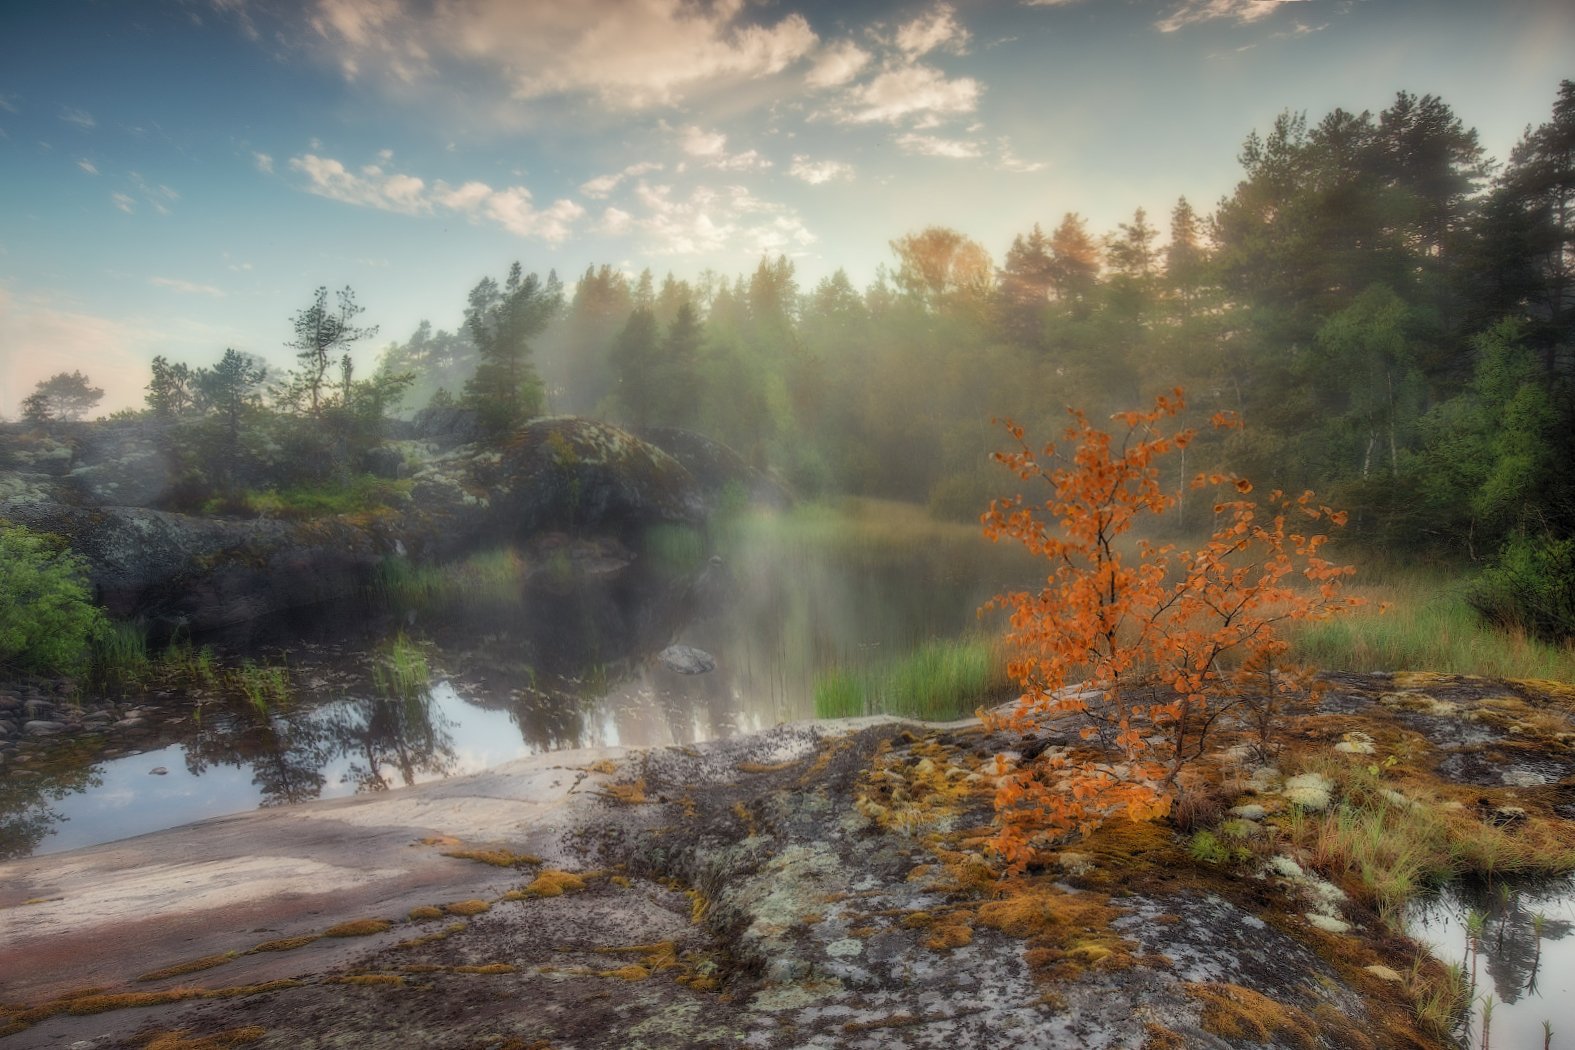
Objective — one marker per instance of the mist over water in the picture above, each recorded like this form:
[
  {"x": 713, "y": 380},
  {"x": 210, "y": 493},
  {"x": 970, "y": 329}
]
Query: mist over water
[{"x": 544, "y": 661}]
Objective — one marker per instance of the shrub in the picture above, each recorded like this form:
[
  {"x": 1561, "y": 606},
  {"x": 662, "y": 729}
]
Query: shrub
[
  {"x": 47, "y": 617},
  {"x": 1530, "y": 587},
  {"x": 1165, "y": 644}
]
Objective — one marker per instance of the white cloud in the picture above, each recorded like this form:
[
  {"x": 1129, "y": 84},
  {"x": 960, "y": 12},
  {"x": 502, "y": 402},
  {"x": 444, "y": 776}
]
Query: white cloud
[
  {"x": 1009, "y": 161},
  {"x": 512, "y": 207},
  {"x": 629, "y": 55},
  {"x": 124, "y": 202},
  {"x": 729, "y": 219},
  {"x": 709, "y": 148},
  {"x": 264, "y": 163},
  {"x": 816, "y": 172},
  {"x": 175, "y": 284},
  {"x": 615, "y": 223},
  {"x": 88, "y": 166},
  {"x": 329, "y": 178},
  {"x": 935, "y": 146},
  {"x": 919, "y": 92},
  {"x": 79, "y": 117},
  {"x": 938, "y": 29},
  {"x": 1190, "y": 12},
  {"x": 157, "y": 196},
  {"x": 837, "y": 64},
  {"x": 601, "y": 186},
  {"x": 698, "y": 143}
]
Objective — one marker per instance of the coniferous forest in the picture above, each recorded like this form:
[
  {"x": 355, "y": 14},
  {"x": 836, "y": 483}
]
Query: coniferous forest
[{"x": 1386, "y": 308}]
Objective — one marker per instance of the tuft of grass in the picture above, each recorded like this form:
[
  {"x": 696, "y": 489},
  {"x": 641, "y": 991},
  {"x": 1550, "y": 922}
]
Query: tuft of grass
[
  {"x": 118, "y": 655},
  {"x": 487, "y": 577},
  {"x": 363, "y": 494},
  {"x": 474, "y": 906},
  {"x": 263, "y": 685},
  {"x": 938, "y": 680},
  {"x": 179, "y": 969},
  {"x": 358, "y": 928},
  {"x": 1387, "y": 852},
  {"x": 676, "y": 550},
  {"x": 400, "y": 669}
]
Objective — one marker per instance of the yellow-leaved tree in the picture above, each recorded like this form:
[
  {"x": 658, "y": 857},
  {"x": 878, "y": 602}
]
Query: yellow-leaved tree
[{"x": 1145, "y": 648}]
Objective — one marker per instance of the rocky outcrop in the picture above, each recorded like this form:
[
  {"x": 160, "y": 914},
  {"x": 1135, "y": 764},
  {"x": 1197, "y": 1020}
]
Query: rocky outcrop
[
  {"x": 719, "y": 470},
  {"x": 565, "y": 474}
]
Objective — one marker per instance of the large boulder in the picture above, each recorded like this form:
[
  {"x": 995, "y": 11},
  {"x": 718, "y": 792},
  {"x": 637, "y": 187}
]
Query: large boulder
[
  {"x": 719, "y": 470},
  {"x": 573, "y": 475}
]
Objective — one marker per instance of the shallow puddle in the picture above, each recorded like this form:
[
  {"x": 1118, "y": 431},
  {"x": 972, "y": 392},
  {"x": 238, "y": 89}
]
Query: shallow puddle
[{"x": 1516, "y": 948}]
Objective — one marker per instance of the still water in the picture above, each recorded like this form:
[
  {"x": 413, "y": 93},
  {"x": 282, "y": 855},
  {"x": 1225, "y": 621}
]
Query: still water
[
  {"x": 539, "y": 652},
  {"x": 1514, "y": 945}
]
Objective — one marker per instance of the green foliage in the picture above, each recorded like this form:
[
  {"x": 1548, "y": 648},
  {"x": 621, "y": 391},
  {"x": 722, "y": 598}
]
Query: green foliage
[
  {"x": 1210, "y": 848},
  {"x": 1531, "y": 587},
  {"x": 48, "y": 622},
  {"x": 363, "y": 494},
  {"x": 506, "y": 389}
]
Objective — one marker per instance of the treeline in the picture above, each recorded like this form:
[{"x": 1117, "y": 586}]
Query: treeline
[{"x": 1390, "y": 318}]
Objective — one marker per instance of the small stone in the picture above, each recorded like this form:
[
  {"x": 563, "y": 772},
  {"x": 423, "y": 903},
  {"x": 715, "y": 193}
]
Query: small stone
[
  {"x": 1383, "y": 973},
  {"x": 158, "y": 771},
  {"x": 39, "y": 727},
  {"x": 1250, "y": 811}
]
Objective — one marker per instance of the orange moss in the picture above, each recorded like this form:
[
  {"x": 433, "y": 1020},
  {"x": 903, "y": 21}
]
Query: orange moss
[
  {"x": 1234, "y": 1012},
  {"x": 549, "y": 882},
  {"x": 947, "y": 937},
  {"x": 284, "y": 944},
  {"x": 394, "y": 979},
  {"x": 474, "y": 906},
  {"x": 205, "y": 963},
  {"x": 630, "y": 793},
  {"x": 179, "y": 1040},
  {"x": 764, "y": 767},
  {"x": 424, "y": 912},
  {"x": 498, "y": 858},
  {"x": 632, "y": 972},
  {"x": 359, "y": 928}
]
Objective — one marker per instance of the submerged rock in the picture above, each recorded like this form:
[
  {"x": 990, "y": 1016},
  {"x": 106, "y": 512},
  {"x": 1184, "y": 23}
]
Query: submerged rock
[{"x": 687, "y": 660}]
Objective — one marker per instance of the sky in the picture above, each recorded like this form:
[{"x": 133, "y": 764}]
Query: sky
[{"x": 178, "y": 177}]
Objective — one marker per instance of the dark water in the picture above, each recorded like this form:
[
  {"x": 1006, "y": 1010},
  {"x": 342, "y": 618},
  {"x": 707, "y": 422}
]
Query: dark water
[
  {"x": 552, "y": 660},
  {"x": 1520, "y": 968}
]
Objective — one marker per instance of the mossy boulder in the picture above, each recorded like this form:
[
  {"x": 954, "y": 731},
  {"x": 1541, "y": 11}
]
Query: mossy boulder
[{"x": 572, "y": 475}]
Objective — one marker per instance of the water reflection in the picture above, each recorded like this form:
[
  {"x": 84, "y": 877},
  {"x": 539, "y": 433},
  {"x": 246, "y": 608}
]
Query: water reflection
[
  {"x": 1513, "y": 943},
  {"x": 531, "y": 652}
]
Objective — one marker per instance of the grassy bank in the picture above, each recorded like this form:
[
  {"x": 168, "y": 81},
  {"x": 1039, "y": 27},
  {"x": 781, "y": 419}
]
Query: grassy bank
[
  {"x": 1419, "y": 620},
  {"x": 939, "y": 679}
]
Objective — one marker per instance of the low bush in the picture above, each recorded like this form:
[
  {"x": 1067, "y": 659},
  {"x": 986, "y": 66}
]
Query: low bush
[{"x": 48, "y": 621}]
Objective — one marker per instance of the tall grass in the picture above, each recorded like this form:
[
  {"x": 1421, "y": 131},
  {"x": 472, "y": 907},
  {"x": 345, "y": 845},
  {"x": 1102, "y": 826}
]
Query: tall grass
[
  {"x": 1427, "y": 625},
  {"x": 674, "y": 549},
  {"x": 486, "y": 577},
  {"x": 939, "y": 680},
  {"x": 400, "y": 669},
  {"x": 265, "y": 686},
  {"x": 119, "y": 655}
]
